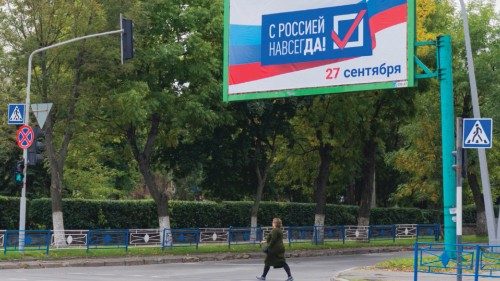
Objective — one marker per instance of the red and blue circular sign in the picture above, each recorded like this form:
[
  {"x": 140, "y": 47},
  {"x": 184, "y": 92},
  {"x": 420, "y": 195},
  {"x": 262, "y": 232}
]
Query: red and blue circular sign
[{"x": 25, "y": 136}]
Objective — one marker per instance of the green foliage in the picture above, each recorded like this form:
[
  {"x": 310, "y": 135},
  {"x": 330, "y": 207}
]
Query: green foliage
[
  {"x": 206, "y": 145},
  {"x": 383, "y": 216},
  {"x": 195, "y": 214},
  {"x": 92, "y": 214},
  {"x": 9, "y": 212},
  {"x": 89, "y": 214},
  {"x": 420, "y": 158}
]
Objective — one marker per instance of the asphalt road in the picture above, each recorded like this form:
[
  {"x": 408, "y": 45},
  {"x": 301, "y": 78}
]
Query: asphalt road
[{"x": 303, "y": 269}]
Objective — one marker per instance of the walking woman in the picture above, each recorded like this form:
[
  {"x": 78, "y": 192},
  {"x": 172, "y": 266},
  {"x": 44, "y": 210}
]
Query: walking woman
[{"x": 275, "y": 254}]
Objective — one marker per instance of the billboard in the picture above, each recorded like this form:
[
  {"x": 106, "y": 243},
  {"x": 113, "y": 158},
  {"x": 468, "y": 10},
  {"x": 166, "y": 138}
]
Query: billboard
[{"x": 287, "y": 48}]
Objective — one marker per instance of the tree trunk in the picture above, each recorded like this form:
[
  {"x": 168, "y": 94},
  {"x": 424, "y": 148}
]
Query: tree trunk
[
  {"x": 143, "y": 158},
  {"x": 57, "y": 214},
  {"x": 367, "y": 184},
  {"x": 481, "y": 228},
  {"x": 373, "y": 204},
  {"x": 160, "y": 196},
  {"x": 319, "y": 230},
  {"x": 261, "y": 182},
  {"x": 255, "y": 207},
  {"x": 368, "y": 168},
  {"x": 350, "y": 198},
  {"x": 57, "y": 158},
  {"x": 56, "y": 187},
  {"x": 320, "y": 184}
]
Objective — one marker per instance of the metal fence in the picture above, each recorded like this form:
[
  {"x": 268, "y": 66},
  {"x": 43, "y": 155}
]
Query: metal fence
[
  {"x": 214, "y": 235},
  {"x": 382, "y": 232},
  {"x": 180, "y": 237},
  {"x": 72, "y": 238},
  {"x": 357, "y": 233},
  {"x": 145, "y": 237},
  {"x": 168, "y": 238},
  {"x": 28, "y": 240},
  {"x": 108, "y": 238},
  {"x": 428, "y": 231},
  {"x": 245, "y": 235},
  {"x": 457, "y": 259}
]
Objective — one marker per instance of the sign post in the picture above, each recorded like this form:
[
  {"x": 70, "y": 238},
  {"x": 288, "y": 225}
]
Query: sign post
[
  {"x": 470, "y": 133},
  {"x": 128, "y": 55},
  {"x": 458, "y": 171}
]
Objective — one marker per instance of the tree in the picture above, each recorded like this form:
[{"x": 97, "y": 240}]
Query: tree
[
  {"x": 265, "y": 121},
  {"x": 383, "y": 113},
  {"x": 57, "y": 75},
  {"x": 167, "y": 95},
  {"x": 419, "y": 157},
  {"x": 323, "y": 147}
]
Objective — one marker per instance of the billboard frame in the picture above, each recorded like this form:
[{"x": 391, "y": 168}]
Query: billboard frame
[{"x": 411, "y": 34}]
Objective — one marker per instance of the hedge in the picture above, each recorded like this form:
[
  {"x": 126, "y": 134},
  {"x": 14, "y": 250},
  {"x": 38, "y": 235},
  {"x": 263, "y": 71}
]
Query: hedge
[
  {"x": 9, "y": 212},
  {"x": 92, "y": 214}
]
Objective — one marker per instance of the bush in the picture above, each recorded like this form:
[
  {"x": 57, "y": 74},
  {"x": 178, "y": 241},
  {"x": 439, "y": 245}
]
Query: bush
[
  {"x": 469, "y": 214},
  {"x": 383, "y": 216},
  {"x": 9, "y": 212},
  {"x": 94, "y": 214}
]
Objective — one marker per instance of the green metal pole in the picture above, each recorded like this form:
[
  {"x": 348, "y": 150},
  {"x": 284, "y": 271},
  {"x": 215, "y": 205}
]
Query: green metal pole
[{"x": 447, "y": 136}]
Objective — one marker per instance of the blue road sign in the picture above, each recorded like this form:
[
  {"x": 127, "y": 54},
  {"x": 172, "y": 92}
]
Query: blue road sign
[
  {"x": 15, "y": 113},
  {"x": 477, "y": 132}
]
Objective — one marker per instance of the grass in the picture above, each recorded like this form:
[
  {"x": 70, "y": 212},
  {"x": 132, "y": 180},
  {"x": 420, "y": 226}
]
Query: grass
[
  {"x": 406, "y": 264},
  {"x": 57, "y": 254}
]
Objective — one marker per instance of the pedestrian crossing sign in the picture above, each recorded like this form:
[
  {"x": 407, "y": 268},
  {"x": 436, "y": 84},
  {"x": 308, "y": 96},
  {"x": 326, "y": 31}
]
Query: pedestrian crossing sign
[
  {"x": 477, "y": 132},
  {"x": 15, "y": 114}
]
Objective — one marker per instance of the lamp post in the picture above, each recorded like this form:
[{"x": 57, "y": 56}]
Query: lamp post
[
  {"x": 128, "y": 26},
  {"x": 483, "y": 164}
]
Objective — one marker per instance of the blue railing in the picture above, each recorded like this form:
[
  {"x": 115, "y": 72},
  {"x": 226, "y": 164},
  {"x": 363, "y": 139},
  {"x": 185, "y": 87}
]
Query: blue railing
[
  {"x": 108, "y": 238},
  {"x": 315, "y": 234},
  {"x": 382, "y": 232},
  {"x": 301, "y": 234},
  {"x": 34, "y": 240},
  {"x": 428, "y": 231},
  {"x": 180, "y": 237},
  {"x": 244, "y": 235},
  {"x": 332, "y": 233},
  {"x": 456, "y": 259},
  {"x": 124, "y": 238}
]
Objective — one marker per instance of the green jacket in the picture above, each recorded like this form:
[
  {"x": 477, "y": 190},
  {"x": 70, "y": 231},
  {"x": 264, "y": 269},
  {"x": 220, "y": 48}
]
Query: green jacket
[{"x": 276, "y": 250}]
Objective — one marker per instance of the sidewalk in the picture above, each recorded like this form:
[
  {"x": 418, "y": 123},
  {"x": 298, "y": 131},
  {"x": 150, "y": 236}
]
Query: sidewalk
[
  {"x": 366, "y": 274},
  {"x": 167, "y": 258}
]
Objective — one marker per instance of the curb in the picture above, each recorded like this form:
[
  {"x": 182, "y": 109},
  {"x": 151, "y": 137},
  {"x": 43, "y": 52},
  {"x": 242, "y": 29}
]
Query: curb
[
  {"x": 337, "y": 278},
  {"x": 166, "y": 259}
]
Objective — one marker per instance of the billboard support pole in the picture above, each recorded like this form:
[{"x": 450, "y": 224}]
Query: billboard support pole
[{"x": 445, "y": 78}]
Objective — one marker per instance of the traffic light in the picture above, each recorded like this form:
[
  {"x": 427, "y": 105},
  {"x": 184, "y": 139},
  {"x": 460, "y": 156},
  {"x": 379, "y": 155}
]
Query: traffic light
[
  {"x": 19, "y": 173},
  {"x": 127, "y": 44},
  {"x": 35, "y": 151}
]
